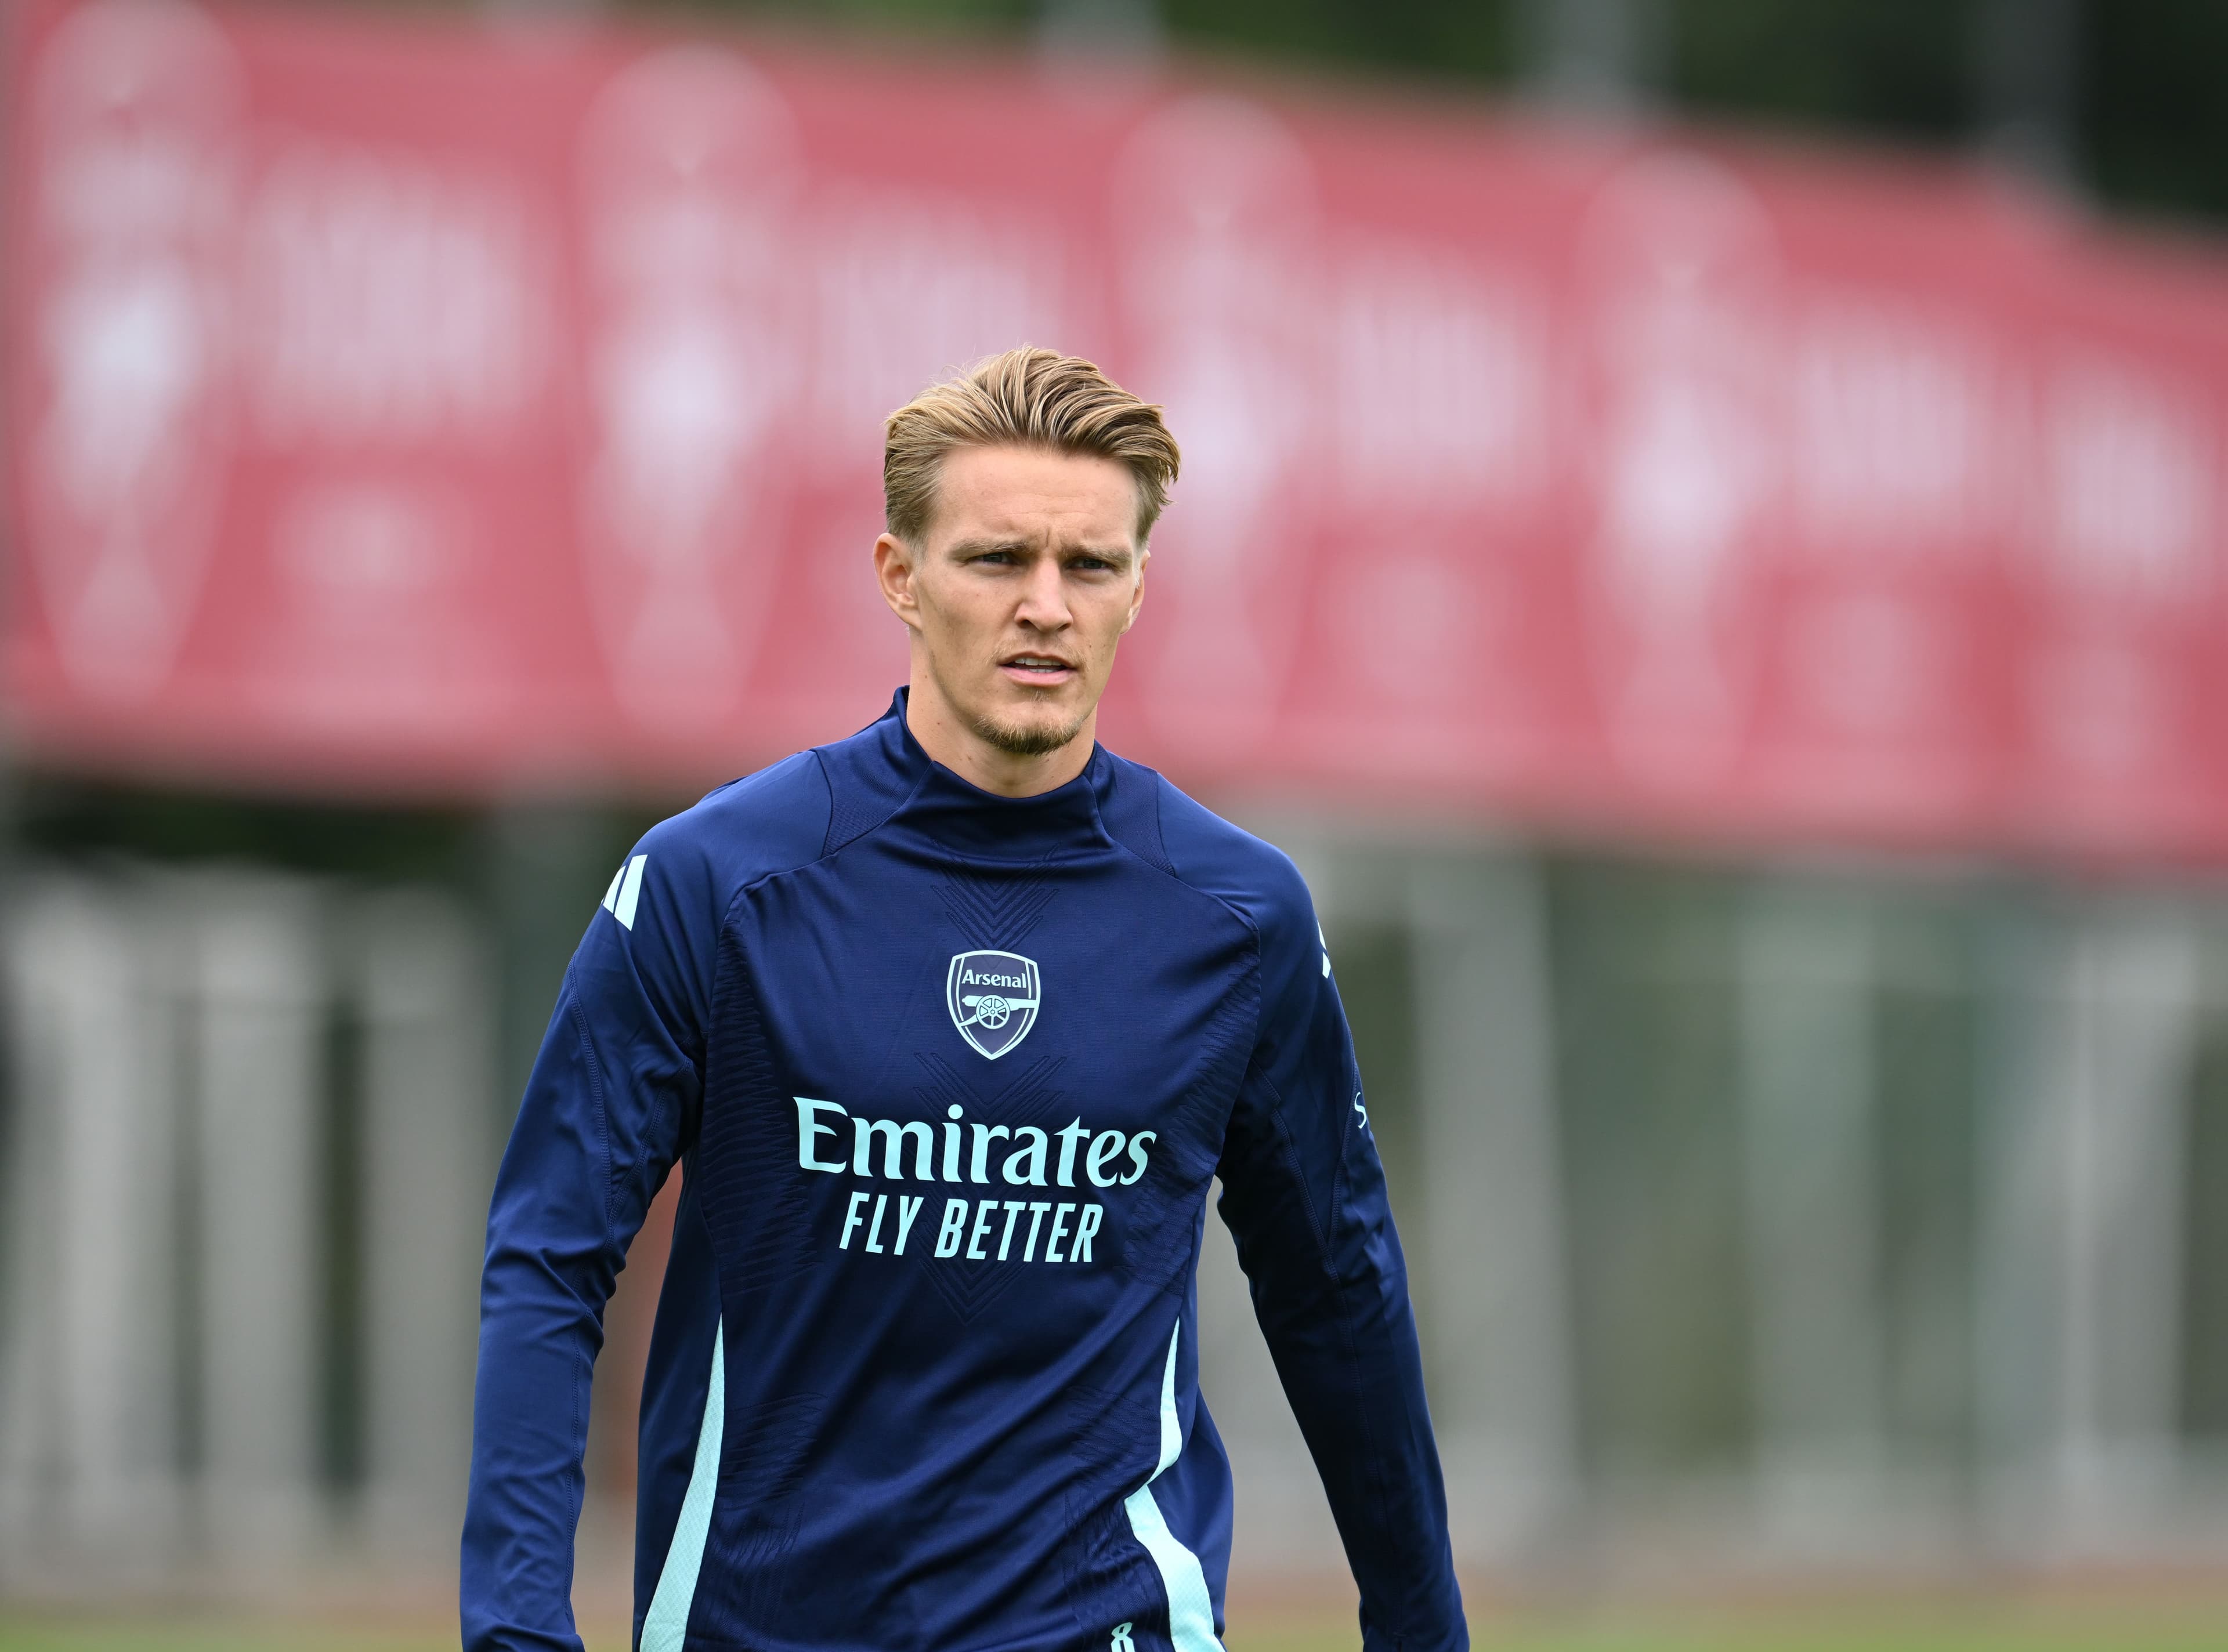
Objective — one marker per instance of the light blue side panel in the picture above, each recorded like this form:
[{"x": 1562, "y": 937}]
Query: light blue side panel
[
  {"x": 1191, "y": 1609},
  {"x": 667, "y": 1625}
]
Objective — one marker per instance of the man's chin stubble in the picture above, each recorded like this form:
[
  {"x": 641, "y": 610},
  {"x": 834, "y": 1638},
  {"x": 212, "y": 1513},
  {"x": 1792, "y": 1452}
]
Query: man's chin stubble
[{"x": 1024, "y": 741}]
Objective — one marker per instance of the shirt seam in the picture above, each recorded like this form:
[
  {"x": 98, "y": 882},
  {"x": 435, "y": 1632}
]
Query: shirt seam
[{"x": 828, "y": 851}]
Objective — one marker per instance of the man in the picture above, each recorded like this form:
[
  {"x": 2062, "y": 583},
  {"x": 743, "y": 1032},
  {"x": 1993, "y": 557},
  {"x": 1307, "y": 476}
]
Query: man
[{"x": 951, "y": 1024}]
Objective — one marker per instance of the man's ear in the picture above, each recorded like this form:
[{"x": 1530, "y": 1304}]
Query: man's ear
[
  {"x": 1137, "y": 588},
  {"x": 893, "y": 572}
]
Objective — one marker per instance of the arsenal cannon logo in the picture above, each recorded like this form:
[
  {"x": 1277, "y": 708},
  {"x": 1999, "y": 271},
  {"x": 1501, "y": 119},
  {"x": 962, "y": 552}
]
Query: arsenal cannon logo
[{"x": 993, "y": 997}]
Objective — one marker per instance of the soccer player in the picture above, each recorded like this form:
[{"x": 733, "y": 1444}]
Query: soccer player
[{"x": 950, "y": 1025}]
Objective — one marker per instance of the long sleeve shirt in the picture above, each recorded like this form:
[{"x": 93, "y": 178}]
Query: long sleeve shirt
[{"x": 949, "y": 1077}]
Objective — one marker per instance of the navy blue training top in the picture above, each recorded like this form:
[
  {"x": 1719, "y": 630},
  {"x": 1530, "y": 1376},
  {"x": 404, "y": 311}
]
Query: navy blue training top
[{"x": 949, "y": 1076}]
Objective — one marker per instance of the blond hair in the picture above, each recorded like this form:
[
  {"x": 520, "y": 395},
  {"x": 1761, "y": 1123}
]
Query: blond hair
[{"x": 1023, "y": 398}]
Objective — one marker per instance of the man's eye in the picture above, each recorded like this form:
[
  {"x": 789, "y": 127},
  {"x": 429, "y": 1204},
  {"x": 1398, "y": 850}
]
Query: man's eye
[
  {"x": 1091, "y": 563},
  {"x": 1004, "y": 558}
]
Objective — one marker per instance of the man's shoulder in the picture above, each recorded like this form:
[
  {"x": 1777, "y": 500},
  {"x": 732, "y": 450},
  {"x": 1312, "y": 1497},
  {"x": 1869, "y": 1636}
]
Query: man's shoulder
[
  {"x": 1206, "y": 851},
  {"x": 770, "y": 822}
]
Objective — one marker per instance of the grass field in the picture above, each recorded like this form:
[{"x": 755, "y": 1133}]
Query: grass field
[{"x": 2134, "y": 1627}]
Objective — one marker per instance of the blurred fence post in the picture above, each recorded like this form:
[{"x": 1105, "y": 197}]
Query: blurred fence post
[
  {"x": 428, "y": 1067},
  {"x": 2018, "y": 1154},
  {"x": 547, "y": 863},
  {"x": 1808, "y": 984},
  {"x": 2081, "y": 1275},
  {"x": 1488, "y": 1257},
  {"x": 259, "y": 970},
  {"x": 2136, "y": 992},
  {"x": 89, "y": 1449},
  {"x": 1595, "y": 57},
  {"x": 2029, "y": 75}
]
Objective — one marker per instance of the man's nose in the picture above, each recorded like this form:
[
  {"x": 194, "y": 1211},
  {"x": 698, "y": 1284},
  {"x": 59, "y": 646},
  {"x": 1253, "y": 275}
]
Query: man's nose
[{"x": 1044, "y": 599}]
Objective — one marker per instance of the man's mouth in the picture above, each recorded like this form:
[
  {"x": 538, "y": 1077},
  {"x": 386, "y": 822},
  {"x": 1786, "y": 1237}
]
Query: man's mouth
[{"x": 1037, "y": 669}]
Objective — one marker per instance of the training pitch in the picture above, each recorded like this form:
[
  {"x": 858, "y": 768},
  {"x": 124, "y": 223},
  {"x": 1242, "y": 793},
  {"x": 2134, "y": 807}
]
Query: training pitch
[{"x": 2134, "y": 1626}]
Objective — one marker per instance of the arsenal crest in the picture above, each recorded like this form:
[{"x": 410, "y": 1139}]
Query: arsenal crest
[{"x": 993, "y": 997}]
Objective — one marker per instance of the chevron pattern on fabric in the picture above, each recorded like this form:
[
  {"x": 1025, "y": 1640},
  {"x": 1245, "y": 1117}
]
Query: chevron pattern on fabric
[{"x": 997, "y": 909}]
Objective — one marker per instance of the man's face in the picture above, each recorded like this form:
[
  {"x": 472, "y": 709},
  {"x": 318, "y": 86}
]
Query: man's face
[{"x": 1019, "y": 588}]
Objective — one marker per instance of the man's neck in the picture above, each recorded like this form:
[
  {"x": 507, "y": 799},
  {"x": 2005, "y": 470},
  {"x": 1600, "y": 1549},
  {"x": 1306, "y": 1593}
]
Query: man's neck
[{"x": 946, "y": 738}]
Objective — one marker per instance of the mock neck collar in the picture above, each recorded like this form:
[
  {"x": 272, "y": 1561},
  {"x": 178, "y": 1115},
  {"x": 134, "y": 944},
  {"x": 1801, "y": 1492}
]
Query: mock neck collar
[{"x": 961, "y": 816}]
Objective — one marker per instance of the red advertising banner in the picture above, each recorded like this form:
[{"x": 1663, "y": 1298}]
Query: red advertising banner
[{"x": 455, "y": 406}]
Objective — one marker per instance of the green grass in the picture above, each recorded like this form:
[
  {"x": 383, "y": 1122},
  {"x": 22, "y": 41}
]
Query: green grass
[
  {"x": 1816, "y": 1631},
  {"x": 88, "y": 1636},
  {"x": 2133, "y": 1626}
]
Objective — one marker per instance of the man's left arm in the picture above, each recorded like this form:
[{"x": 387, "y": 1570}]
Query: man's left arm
[{"x": 1304, "y": 1193}]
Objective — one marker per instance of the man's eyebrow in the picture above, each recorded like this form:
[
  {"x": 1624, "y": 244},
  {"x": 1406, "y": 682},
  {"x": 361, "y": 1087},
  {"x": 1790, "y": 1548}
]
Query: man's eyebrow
[{"x": 978, "y": 547}]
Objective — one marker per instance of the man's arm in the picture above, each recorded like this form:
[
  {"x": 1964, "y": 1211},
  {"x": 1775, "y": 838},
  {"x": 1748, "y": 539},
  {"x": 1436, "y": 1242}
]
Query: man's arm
[
  {"x": 1304, "y": 1193},
  {"x": 611, "y": 1104}
]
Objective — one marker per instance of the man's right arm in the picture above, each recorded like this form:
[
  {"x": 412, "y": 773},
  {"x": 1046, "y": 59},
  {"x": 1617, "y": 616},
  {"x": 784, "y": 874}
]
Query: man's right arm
[{"x": 611, "y": 1105}]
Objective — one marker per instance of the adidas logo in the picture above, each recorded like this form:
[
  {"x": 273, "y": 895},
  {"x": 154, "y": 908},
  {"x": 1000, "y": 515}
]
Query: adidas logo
[{"x": 625, "y": 890}]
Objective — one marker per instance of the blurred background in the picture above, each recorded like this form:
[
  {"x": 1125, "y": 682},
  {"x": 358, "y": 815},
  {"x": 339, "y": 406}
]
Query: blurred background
[{"x": 1702, "y": 531}]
